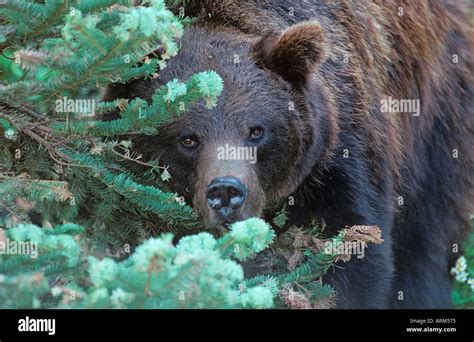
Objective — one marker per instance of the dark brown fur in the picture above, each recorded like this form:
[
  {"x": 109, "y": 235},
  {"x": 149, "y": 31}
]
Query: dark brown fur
[{"x": 336, "y": 61}]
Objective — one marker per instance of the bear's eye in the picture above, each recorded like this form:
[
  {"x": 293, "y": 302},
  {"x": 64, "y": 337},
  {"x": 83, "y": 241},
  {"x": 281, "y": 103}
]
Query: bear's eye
[
  {"x": 189, "y": 142},
  {"x": 256, "y": 133}
]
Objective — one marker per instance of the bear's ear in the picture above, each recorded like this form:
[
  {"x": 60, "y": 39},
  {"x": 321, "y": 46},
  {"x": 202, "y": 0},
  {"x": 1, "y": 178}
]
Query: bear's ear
[{"x": 293, "y": 53}]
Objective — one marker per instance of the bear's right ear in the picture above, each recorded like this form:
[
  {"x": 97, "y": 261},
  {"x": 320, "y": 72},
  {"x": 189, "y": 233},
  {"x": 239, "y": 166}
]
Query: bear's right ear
[{"x": 293, "y": 53}]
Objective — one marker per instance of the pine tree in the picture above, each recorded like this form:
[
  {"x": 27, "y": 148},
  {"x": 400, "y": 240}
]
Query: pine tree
[
  {"x": 83, "y": 47},
  {"x": 59, "y": 160}
]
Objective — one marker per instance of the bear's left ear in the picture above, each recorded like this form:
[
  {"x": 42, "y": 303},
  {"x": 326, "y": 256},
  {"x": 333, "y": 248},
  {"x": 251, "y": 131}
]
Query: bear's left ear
[{"x": 293, "y": 53}]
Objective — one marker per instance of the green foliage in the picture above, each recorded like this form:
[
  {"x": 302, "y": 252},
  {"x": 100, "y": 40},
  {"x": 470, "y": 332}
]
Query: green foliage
[
  {"x": 69, "y": 53},
  {"x": 9, "y": 71},
  {"x": 463, "y": 272},
  {"x": 194, "y": 274},
  {"x": 281, "y": 218},
  {"x": 32, "y": 257},
  {"x": 139, "y": 117},
  {"x": 246, "y": 238},
  {"x": 199, "y": 272},
  {"x": 86, "y": 45}
]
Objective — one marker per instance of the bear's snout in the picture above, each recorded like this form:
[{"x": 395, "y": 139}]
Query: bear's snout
[{"x": 225, "y": 196}]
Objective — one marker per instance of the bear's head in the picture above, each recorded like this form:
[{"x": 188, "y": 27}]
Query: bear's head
[{"x": 266, "y": 134}]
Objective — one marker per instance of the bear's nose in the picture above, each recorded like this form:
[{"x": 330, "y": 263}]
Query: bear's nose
[{"x": 225, "y": 195}]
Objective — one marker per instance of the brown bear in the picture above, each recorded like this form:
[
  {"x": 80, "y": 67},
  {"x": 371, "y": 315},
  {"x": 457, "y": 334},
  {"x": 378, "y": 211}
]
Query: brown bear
[{"x": 361, "y": 112}]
